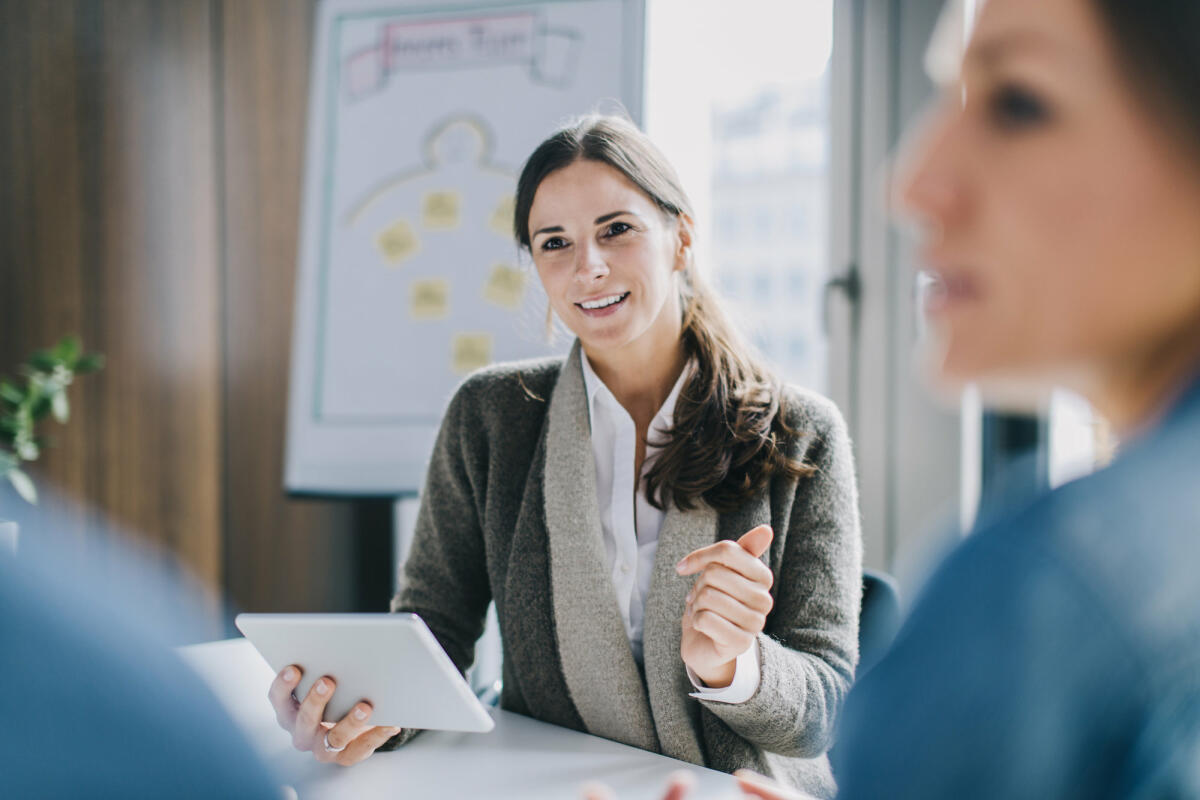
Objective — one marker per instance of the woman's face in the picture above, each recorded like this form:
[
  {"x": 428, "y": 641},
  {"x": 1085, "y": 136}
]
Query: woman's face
[
  {"x": 607, "y": 255},
  {"x": 1060, "y": 218}
]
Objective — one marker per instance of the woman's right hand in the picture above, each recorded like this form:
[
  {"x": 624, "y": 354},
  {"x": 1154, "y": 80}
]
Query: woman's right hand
[{"x": 346, "y": 742}]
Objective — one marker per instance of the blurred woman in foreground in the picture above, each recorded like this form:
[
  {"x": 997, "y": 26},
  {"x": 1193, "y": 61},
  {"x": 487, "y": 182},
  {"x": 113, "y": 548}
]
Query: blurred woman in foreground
[{"x": 1057, "y": 188}]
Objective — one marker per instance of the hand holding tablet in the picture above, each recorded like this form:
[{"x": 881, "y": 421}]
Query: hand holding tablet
[
  {"x": 360, "y": 679},
  {"x": 347, "y": 742}
]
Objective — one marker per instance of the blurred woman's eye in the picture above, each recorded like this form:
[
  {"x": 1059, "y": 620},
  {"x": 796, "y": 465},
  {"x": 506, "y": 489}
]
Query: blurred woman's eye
[
  {"x": 1014, "y": 107},
  {"x": 554, "y": 243},
  {"x": 617, "y": 228}
]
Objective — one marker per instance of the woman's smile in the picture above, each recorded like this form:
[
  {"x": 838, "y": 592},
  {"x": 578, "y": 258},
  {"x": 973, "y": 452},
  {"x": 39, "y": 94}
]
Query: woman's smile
[
  {"x": 603, "y": 305},
  {"x": 607, "y": 257}
]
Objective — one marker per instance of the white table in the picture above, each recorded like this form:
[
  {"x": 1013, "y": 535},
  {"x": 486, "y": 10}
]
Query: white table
[{"x": 520, "y": 758}]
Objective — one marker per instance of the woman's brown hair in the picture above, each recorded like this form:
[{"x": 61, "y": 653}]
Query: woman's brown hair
[
  {"x": 729, "y": 436},
  {"x": 1158, "y": 43}
]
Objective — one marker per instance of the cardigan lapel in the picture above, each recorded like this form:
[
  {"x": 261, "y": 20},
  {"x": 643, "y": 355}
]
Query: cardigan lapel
[
  {"x": 601, "y": 675},
  {"x": 676, "y": 715}
]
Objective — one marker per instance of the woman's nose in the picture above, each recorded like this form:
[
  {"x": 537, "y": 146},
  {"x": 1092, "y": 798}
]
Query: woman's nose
[
  {"x": 590, "y": 265},
  {"x": 928, "y": 186}
]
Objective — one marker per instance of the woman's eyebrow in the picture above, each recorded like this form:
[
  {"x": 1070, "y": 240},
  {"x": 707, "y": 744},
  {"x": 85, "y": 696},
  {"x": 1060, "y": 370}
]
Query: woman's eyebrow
[
  {"x": 994, "y": 50},
  {"x": 598, "y": 221},
  {"x": 612, "y": 215}
]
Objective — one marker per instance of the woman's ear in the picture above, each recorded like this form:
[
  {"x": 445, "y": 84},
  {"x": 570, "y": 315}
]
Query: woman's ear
[{"x": 685, "y": 234}]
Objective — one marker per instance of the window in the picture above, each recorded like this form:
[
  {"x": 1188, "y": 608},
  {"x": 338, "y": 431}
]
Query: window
[
  {"x": 797, "y": 282},
  {"x": 762, "y": 287},
  {"x": 728, "y": 283},
  {"x": 799, "y": 224},
  {"x": 749, "y": 133}
]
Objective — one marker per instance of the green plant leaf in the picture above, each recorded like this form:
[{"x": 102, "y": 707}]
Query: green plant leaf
[
  {"x": 60, "y": 378},
  {"x": 28, "y": 450},
  {"x": 24, "y": 486},
  {"x": 60, "y": 406},
  {"x": 67, "y": 350},
  {"x": 40, "y": 408},
  {"x": 11, "y": 393},
  {"x": 10, "y": 425},
  {"x": 89, "y": 363},
  {"x": 43, "y": 361}
]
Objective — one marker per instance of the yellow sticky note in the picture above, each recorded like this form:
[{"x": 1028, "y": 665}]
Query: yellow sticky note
[
  {"x": 502, "y": 218},
  {"x": 505, "y": 287},
  {"x": 429, "y": 299},
  {"x": 397, "y": 242},
  {"x": 470, "y": 351},
  {"x": 440, "y": 210}
]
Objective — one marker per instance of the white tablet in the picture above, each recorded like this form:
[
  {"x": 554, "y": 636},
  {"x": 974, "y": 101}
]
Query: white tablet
[{"x": 389, "y": 660}]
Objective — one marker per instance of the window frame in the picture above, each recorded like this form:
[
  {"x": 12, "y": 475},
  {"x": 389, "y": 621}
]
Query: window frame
[{"x": 908, "y": 447}]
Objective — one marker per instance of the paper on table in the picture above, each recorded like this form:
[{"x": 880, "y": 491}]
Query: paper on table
[{"x": 521, "y": 759}]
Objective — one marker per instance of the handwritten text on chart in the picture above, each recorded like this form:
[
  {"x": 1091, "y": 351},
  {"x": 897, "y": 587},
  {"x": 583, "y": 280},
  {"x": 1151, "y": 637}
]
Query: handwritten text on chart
[{"x": 440, "y": 44}]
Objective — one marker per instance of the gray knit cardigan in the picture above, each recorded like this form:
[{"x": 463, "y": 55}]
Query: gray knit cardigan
[{"x": 510, "y": 514}]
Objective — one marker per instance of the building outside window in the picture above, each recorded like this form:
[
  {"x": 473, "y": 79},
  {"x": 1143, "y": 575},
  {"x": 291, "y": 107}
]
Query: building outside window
[{"x": 749, "y": 132}]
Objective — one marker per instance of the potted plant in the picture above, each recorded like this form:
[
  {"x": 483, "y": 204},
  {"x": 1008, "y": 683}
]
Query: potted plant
[{"x": 41, "y": 391}]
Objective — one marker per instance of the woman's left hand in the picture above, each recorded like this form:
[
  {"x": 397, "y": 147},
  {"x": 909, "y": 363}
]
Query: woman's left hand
[{"x": 728, "y": 605}]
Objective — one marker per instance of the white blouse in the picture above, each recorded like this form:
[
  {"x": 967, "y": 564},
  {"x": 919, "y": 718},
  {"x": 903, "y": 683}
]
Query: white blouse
[{"x": 631, "y": 525}]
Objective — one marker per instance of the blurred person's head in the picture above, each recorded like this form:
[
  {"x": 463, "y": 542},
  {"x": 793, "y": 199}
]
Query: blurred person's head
[{"x": 1057, "y": 186}]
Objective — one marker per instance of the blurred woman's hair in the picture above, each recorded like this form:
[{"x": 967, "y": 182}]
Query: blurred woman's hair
[
  {"x": 1158, "y": 43},
  {"x": 729, "y": 436}
]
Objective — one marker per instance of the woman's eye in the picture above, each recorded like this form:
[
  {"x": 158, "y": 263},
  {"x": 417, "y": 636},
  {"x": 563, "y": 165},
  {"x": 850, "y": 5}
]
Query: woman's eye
[
  {"x": 617, "y": 228},
  {"x": 554, "y": 243},
  {"x": 1013, "y": 107}
]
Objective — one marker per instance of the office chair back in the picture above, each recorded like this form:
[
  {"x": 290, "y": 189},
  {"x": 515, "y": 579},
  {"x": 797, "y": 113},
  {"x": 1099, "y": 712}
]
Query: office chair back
[{"x": 878, "y": 620}]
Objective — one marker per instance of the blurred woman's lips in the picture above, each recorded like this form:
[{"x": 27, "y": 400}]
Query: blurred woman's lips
[{"x": 946, "y": 289}]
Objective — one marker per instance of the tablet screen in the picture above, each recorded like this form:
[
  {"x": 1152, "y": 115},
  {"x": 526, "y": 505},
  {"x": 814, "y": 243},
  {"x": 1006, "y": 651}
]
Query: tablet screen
[{"x": 392, "y": 661}]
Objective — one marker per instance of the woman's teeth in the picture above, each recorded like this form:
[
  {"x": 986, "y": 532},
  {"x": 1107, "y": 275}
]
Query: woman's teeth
[{"x": 603, "y": 302}]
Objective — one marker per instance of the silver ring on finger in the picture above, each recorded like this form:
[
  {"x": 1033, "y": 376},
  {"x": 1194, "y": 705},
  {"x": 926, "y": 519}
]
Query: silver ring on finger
[{"x": 330, "y": 748}]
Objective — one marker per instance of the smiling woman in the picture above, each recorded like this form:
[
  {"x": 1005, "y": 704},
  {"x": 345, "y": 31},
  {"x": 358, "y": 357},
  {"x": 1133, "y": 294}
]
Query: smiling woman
[
  {"x": 580, "y": 495},
  {"x": 623, "y": 279}
]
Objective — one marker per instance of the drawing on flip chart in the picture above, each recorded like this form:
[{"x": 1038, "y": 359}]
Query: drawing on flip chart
[
  {"x": 520, "y": 38},
  {"x": 456, "y": 163},
  {"x": 409, "y": 275}
]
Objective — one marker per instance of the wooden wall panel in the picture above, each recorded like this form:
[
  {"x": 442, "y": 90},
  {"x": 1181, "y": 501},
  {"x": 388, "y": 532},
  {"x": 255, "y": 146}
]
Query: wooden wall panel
[
  {"x": 41, "y": 217},
  {"x": 281, "y": 554},
  {"x": 109, "y": 208},
  {"x": 150, "y": 178}
]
